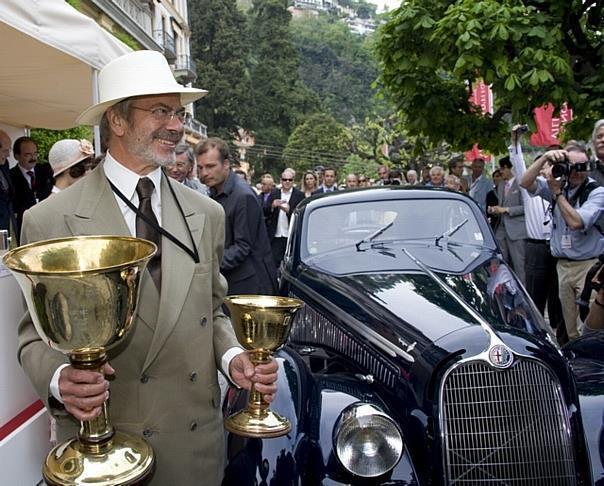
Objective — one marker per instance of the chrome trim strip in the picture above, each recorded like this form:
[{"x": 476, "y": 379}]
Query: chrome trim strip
[{"x": 381, "y": 342}]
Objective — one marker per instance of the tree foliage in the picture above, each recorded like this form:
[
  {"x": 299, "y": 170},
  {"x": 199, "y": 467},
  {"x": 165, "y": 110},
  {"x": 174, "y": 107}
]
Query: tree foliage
[
  {"x": 320, "y": 140},
  {"x": 220, "y": 49},
  {"x": 531, "y": 51},
  {"x": 45, "y": 138},
  {"x": 279, "y": 100},
  {"x": 338, "y": 66}
]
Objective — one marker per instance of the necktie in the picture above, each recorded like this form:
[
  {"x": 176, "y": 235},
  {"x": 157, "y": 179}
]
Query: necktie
[
  {"x": 144, "y": 189},
  {"x": 506, "y": 189},
  {"x": 32, "y": 179}
]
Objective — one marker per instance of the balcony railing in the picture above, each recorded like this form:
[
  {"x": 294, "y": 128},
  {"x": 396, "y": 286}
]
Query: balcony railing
[
  {"x": 166, "y": 41},
  {"x": 137, "y": 12},
  {"x": 196, "y": 127},
  {"x": 185, "y": 69}
]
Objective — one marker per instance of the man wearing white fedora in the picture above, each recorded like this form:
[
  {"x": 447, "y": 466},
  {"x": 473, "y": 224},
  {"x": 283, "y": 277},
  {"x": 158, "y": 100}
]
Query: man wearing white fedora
[{"x": 165, "y": 382}]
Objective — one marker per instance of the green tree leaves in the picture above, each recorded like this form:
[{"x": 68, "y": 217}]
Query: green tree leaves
[
  {"x": 531, "y": 52},
  {"x": 220, "y": 52}
]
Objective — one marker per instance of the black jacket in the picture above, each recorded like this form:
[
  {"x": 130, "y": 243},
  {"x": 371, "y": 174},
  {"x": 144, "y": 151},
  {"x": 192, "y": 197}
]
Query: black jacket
[{"x": 248, "y": 262}]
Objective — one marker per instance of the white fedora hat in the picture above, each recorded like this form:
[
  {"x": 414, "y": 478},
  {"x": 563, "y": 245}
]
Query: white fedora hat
[{"x": 137, "y": 73}]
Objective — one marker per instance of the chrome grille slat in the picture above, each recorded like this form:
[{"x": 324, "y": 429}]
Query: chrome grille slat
[
  {"x": 505, "y": 427},
  {"x": 312, "y": 328}
]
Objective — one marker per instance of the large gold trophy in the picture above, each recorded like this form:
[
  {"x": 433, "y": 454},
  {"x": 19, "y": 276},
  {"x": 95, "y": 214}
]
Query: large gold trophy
[
  {"x": 82, "y": 294},
  {"x": 262, "y": 325}
]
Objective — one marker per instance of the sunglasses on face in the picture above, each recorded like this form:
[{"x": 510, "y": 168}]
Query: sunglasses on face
[{"x": 286, "y": 180}]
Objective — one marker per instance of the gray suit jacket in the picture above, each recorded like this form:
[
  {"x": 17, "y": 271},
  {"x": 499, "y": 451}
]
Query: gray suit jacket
[
  {"x": 513, "y": 223},
  {"x": 166, "y": 382}
]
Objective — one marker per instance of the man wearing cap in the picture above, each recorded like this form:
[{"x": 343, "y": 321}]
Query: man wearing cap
[
  {"x": 165, "y": 385},
  {"x": 68, "y": 160}
]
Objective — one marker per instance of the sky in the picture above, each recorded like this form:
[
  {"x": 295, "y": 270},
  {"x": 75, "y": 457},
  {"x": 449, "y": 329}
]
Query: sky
[{"x": 390, "y": 4}]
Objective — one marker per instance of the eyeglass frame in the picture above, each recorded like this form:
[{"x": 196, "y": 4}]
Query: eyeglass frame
[
  {"x": 181, "y": 114},
  {"x": 287, "y": 180}
]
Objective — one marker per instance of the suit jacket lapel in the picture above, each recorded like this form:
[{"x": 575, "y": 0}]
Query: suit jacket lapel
[
  {"x": 176, "y": 267},
  {"x": 97, "y": 212}
]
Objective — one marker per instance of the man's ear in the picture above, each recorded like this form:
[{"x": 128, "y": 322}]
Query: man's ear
[{"x": 117, "y": 124}]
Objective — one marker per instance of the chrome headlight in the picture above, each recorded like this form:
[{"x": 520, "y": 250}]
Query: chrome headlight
[{"x": 367, "y": 442}]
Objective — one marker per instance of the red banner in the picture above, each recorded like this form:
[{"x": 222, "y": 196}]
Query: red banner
[
  {"x": 548, "y": 126},
  {"x": 482, "y": 97}
]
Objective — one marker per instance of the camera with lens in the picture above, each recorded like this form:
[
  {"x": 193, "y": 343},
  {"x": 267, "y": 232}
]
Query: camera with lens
[{"x": 564, "y": 168}]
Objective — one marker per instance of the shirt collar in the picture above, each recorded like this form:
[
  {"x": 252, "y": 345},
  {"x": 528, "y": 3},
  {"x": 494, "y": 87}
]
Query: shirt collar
[{"x": 125, "y": 180}]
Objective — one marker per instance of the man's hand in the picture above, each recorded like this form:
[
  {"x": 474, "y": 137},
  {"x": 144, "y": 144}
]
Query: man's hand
[
  {"x": 497, "y": 210},
  {"x": 84, "y": 392},
  {"x": 555, "y": 185},
  {"x": 516, "y": 134},
  {"x": 264, "y": 376}
]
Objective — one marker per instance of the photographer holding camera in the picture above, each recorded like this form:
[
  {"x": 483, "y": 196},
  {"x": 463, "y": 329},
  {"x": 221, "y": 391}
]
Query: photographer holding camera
[{"x": 576, "y": 207}]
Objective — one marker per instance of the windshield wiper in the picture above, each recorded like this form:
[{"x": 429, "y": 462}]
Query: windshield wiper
[
  {"x": 373, "y": 235},
  {"x": 451, "y": 232}
]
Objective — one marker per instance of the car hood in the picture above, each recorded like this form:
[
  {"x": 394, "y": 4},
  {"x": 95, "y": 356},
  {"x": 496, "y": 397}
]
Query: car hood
[{"x": 421, "y": 304}]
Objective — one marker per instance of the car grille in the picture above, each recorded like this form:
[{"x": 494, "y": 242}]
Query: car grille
[
  {"x": 313, "y": 328},
  {"x": 505, "y": 427}
]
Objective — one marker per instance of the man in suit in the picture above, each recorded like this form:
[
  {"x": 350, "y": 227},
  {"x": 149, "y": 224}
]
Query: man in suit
[
  {"x": 511, "y": 230},
  {"x": 24, "y": 177},
  {"x": 329, "y": 181},
  {"x": 7, "y": 219},
  {"x": 165, "y": 384},
  {"x": 267, "y": 184},
  {"x": 247, "y": 263},
  {"x": 282, "y": 203}
]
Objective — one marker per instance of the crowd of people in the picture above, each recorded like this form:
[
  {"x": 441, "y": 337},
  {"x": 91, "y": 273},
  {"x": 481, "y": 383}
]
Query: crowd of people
[{"x": 546, "y": 217}]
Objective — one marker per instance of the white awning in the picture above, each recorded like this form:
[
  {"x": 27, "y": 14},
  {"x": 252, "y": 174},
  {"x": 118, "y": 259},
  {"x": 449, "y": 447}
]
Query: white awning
[{"x": 48, "y": 54}]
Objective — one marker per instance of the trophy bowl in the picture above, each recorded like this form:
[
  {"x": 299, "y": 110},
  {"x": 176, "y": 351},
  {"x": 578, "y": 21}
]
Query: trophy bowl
[
  {"x": 82, "y": 293},
  {"x": 262, "y": 324}
]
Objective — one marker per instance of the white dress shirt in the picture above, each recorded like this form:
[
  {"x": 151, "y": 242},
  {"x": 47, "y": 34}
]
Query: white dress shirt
[{"x": 536, "y": 209}]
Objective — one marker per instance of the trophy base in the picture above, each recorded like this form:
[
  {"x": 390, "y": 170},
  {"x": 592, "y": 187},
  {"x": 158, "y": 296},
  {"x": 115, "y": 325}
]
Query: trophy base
[
  {"x": 246, "y": 424},
  {"x": 128, "y": 461}
]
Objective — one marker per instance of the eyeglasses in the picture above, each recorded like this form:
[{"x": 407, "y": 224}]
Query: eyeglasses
[
  {"x": 362, "y": 180},
  {"x": 286, "y": 180},
  {"x": 165, "y": 115}
]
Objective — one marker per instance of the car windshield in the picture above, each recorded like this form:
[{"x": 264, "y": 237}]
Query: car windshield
[{"x": 364, "y": 225}]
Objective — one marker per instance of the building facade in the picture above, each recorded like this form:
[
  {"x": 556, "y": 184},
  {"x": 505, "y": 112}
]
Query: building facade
[{"x": 160, "y": 25}]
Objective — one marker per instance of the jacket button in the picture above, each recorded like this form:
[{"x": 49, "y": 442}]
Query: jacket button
[
  {"x": 193, "y": 426},
  {"x": 147, "y": 433},
  {"x": 193, "y": 376},
  {"x": 144, "y": 379},
  {"x": 204, "y": 321}
]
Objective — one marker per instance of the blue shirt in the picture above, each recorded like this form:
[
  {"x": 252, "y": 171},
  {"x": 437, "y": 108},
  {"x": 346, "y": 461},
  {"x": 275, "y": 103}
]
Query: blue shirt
[{"x": 584, "y": 243}]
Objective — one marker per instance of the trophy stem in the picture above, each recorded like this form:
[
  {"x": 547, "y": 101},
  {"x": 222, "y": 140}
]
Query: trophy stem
[
  {"x": 95, "y": 435},
  {"x": 256, "y": 404}
]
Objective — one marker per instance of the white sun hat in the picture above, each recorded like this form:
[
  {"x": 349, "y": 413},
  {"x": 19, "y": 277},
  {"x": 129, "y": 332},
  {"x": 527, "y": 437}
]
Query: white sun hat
[
  {"x": 67, "y": 153},
  {"x": 137, "y": 73}
]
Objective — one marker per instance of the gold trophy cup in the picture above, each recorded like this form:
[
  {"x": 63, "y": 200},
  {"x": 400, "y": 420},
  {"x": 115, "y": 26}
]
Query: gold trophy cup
[
  {"x": 262, "y": 324},
  {"x": 82, "y": 293}
]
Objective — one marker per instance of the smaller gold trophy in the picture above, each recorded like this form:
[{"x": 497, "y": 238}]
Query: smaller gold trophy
[
  {"x": 262, "y": 324},
  {"x": 82, "y": 293}
]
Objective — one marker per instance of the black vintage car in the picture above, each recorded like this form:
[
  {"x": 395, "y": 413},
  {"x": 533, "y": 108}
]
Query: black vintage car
[{"x": 418, "y": 358}]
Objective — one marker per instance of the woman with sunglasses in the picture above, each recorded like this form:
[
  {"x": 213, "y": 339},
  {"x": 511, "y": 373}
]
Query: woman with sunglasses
[
  {"x": 69, "y": 160},
  {"x": 309, "y": 183}
]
